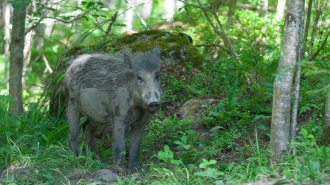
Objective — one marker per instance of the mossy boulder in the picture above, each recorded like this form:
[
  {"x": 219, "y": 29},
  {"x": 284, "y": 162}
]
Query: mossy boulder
[
  {"x": 177, "y": 48},
  {"x": 195, "y": 108}
]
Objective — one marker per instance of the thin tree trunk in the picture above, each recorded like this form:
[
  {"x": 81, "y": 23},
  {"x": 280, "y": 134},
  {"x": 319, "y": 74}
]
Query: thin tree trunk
[
  {"x": 16, "y": 57},
  {"x": 326, "y": 125},
  {"x": 219, "y": 29},
  {"x": 142, "y": 9},
  {"x": 280, "y": 126},
  {"x": 327, "y": 110},
  {"x": 27, "y": 56},
  {"x": 169, "y": 10},
  {"x": 325, "y": 140},
  {"x": 297, "y": 85},
  {"x": 27, "y": 46},
  {"x": 308, "y": 20},
  {"x": 280, "y": 9},
  {"x": 316, "y": 21},
  {"x": 263, "y": 8},
  {"x": 7, "y": 41},
  {"x": 231, "y": 13}
]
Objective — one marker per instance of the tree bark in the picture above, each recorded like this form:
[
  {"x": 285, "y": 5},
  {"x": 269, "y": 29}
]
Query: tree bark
[
  {"x": 231, "y": 13},
  {"x": 297, "y": 85},
  {"x": 264, "y": 8},
  {"x": 280, "y": 125},
  {"x": 6, "y": 16},
  {"x": 326, "y": 125},
  {"x": 16, "y": 57}
]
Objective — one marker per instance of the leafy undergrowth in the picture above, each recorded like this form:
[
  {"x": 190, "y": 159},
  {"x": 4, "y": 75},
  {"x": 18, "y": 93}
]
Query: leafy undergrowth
[{"x": 230, "y": 146}]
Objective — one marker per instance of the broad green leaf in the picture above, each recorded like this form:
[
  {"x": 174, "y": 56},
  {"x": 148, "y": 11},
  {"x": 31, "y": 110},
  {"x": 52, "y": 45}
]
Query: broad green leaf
[
  {"x": 90, "y": 4},
  {"x": 314, "y": 166},
  {"x": 216, "y": 128},
  {"x": 261, "y": 116},
  {"x": 232, "y": 92},
  {"x": 212, "y": 161},
  {"x": 213, "y": 113},
  {"x": 261, "y": 127}
]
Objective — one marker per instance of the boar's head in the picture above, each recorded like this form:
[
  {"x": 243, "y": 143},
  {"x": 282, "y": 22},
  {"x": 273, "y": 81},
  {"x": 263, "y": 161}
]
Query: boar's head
[{"x": 146, "y": 79}]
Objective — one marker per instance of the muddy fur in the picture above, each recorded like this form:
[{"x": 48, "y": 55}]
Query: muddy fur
[{"x": 121, "y": 90}]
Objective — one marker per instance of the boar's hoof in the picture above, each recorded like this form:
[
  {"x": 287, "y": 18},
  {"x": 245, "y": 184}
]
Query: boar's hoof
[{"x": 153, "y": 106}]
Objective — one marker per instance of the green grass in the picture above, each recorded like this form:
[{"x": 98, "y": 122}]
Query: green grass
[
  {"x": 180, "y": 155},
  {"x": 231, "y": 147},
  {"x": 231, "y": 144}
]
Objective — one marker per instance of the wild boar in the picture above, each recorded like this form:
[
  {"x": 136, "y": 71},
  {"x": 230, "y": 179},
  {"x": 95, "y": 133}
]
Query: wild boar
[{"x": 121, "y": 90}]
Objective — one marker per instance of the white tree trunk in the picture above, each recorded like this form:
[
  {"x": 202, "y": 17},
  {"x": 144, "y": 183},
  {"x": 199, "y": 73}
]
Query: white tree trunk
[
  {"x": 142, "y": 8},
  {"x": 264, "y": 8},
  {"x": 169, "y": 7},
  {"x": 6, "y": 16},
  {"x": 280, "y": 126},
  {"x": 280, "y": 9}
]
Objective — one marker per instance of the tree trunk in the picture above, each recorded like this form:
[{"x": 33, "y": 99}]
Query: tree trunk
[
  {"x": 142, "y": 9},
  {"x": 314, "y": 31},
  {"x": 280, "y": 9},
  {"x": 280, "y": 126},
  {"x": 263, "y": 8},
  {"x": 6, "y": 16},
  {"x": 326, "y": 125},
  {"x": 297, "y": 86},
  {"x": 16, "y": 57},
  {"x": 27, "y": 46},
  {"x": 169, "y": 8},
  {"x": 231, "y": 13}
]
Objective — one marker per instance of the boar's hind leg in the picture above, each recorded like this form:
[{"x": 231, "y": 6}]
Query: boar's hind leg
[
  {"x": 119, "y": 143},
  {"x": 136, "y": 133},
  {"x": 72, "y": 113},
  {"x": 89, "y": 135}
]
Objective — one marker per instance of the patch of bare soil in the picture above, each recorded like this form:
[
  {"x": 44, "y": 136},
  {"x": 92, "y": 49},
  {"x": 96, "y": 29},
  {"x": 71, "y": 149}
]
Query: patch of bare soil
[{"x": 269, "y": 181}]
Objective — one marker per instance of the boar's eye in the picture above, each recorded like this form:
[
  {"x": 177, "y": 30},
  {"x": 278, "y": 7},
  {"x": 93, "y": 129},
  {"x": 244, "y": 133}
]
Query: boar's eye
[
  {"x": 139, "y": 78},
  {"x": 156, "y": 76}
]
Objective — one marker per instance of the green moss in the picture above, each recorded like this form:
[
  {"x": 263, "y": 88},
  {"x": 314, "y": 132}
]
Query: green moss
[{"x": 176, "y": 47}]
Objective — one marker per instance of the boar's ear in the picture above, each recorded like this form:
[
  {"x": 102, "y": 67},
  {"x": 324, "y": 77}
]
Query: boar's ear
[
  {"x": 156, "y": 51},
  {"x": 128, "y": 58}
]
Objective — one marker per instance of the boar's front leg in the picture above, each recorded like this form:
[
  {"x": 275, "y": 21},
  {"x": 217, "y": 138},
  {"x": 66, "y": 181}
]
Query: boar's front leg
[
  {"x": 72, "y": 113},
  {"x": 119, "y": 143},
  {"x": 136, "y": 133}
]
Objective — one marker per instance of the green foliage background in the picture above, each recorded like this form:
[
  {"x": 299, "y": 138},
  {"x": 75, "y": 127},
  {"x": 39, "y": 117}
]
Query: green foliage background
[{"x": 233, "y": 145}]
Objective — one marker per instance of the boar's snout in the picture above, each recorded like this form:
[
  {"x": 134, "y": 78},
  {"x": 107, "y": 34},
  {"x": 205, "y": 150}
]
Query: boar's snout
[
  {"x": 153, "y": 106},
  {"x": 153, "y": 101}
]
